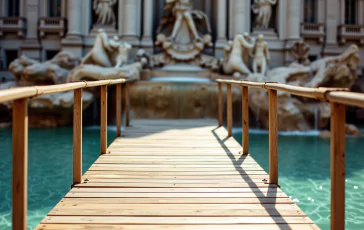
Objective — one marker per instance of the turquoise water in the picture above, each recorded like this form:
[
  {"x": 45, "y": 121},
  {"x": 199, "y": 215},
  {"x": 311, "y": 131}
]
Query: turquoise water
[
  {"x": 304, "y": 172},
  {"x": 49, "y": 170}
]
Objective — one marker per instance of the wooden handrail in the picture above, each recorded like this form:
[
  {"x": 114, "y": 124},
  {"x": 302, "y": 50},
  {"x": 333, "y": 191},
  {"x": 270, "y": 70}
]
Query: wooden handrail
[
  {"x": 33, "y": 91},
  {"x": 20, "y": 97},
  {"x": 339, "y": 98}
]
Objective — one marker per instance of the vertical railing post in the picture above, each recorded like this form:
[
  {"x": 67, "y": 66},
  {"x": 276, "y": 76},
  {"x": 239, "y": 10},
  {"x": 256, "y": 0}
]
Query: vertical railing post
[
  {"x": 273, "y": 137},
  {"x": 245, "y": 119},
  {"x": 20, "y": 163},
  {"x": 103, "y": 122},
  {"x": 77, "y": 137},
  {"x": 338, "y": 119},
  {"x": 229, "y": 110},
  {"x": 127, "y": 104},
  {"x": 118, "y": 110},
  {"x": 220, "y": 104}
]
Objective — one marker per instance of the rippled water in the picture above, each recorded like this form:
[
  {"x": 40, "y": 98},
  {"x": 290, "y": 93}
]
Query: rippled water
[
  {"x": 49, "y": 170},
  {"x": 304, "y": 172}
]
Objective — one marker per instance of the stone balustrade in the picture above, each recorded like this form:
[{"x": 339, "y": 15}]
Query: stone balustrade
[
  {"x": 13, "y": 25},
  {"x": 52, "y": 25},
  {"x": 352, "y": 33},
  {"x": 313, "y": 31}
]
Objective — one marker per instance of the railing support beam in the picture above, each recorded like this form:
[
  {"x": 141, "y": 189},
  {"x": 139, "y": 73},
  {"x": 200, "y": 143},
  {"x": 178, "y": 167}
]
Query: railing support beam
[
  {"x": 229, "y": 111},
  {"x": 338, "y": 155},
  {"x": 127, "y": 104},
  {"x": 103, "y": 122},
  {"x": 118, "y": 110},
  {"x": 20, "y": 163},
  {"x": 220, "y": 104},
  {"x": 77, "y": 137},
  {"x": 273, "y": 137},
  {"x": 245, "y": 119}
]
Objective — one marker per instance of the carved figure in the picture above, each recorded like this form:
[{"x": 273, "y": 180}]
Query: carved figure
[
  {"x": 54, "y": 71},
  {"x": 247, "y": 49},
  {"x": 233, "y": 62},
  {"x": 183, "y": 32},
  {"x": 261, "y": 57},
  {"x": 94, "y": 72},
  {"x": 263, "y": 11},
  {"x": 300, "y": 51},
  {"x": 107, "y": 53},
  {"x": 105, "y": 12}
]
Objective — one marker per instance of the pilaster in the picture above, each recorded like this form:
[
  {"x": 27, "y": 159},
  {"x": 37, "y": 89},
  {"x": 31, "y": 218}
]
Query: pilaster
[
  {"x": 331, "y": 23},
  {"x": 131, "y": 21},
  {"x": 74, "y": 41},
  {"x": 147, "y": 40},
  {"x": 31, "y": 46}
]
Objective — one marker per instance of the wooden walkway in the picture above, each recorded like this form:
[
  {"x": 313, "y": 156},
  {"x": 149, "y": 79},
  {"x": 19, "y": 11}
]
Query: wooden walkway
[{"x": 168, "y": 174}]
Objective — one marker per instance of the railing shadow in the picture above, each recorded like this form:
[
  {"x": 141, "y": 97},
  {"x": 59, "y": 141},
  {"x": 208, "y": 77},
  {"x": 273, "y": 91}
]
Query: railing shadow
[{"x": 273, "y": 213}]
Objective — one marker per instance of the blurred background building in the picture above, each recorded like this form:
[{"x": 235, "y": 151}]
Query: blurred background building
[{"x": 41, "y": 28}]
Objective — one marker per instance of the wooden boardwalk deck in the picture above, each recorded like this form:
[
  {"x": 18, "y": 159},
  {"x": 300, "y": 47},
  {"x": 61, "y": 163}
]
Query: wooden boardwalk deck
[{"x": 183, "y": 175}]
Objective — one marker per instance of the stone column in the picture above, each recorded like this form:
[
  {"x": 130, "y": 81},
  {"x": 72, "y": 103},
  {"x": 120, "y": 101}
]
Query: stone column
[
  {"x": 361, "y": 12},
  {"x": 221, "y": 22},
  {"x": 148, "y": 23},
  {"x": 31, "y": 46},
  {"x": 331, "y": 23},
  {"x": 131, "y": 22},
  {"x": 2, "y": 8},
  {"x": 73, "y": 42},
  {"x": 321, "y": 11},
  {"x": 239, "y": 17},
  {"x": 74, "y": 19},
  {"x": 293, "y": 19}
]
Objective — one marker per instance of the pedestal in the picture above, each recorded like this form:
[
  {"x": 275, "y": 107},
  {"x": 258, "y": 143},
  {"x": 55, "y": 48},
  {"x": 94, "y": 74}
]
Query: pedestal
[
  {"x": 109, "y": 30},
  {"x": 269, "y": 34}
]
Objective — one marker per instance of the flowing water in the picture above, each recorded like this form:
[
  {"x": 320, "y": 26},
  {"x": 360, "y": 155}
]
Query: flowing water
[{"x": 304, "y": 171}]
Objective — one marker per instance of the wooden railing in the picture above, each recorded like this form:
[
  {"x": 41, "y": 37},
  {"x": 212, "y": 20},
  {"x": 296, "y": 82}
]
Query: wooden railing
[
  {"x": 338, "y": 98},
  {"x": 20, "y": 98}
]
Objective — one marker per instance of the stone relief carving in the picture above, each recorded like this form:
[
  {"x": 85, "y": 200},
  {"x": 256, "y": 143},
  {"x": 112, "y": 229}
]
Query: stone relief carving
[
  {"x": 183, "y": 32},
  {"x": 104, "y": 9},
  {"x": 263, "y": 11},
  {"x": 261, "y": 56},
  {"x": 300, "y": 51}
]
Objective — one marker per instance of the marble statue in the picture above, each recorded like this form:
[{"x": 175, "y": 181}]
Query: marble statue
[
  {"x": 296, "y": 113},
  {"x": 263, "y": 11},
  {"x": 183, "y": 32},
  {"x": 94, "y": 72},
  {"x": 300, "y": 51},
  {"x": 104, "y": 9},
  {"x": 107, "y": 53},
  {"x": 261, "y": 56},
  {"x": 234, "y": 56},
  {"x": 55, "y": 71}
]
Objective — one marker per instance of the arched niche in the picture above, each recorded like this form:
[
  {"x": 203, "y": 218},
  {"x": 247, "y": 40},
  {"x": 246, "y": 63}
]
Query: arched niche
[
  {"x": 274, "y": 21},
  {"x": 94, "y": 15}
]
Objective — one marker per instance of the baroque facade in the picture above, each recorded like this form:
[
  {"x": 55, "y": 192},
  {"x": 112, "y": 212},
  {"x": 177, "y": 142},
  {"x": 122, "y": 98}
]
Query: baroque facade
[{"x": 41, "y": 28}]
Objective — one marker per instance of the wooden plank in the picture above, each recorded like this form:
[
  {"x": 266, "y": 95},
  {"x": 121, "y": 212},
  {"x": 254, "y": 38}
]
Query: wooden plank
[
  {"x": 173, "y": 185},
  {"x": 118, "y": 110},
  {"x": 172, "y": 195},
  {"x": 174, "y": 220},
  {"x": 178, "y": 173},
  {"x": 122, "y": 211},
  {"x": 176, "y": 177},
  {"x": 179, "y": 227},
  {"x": 103, "y": 122},
  {"x": 177, "y": 181},
  {"x": 77, "y": 137},
  {"x": 20, "y": 164},
  {"x": 338, "y": 155},
  {"x": 273, "y": 137},
  {"x": 179, "y": 190}
]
